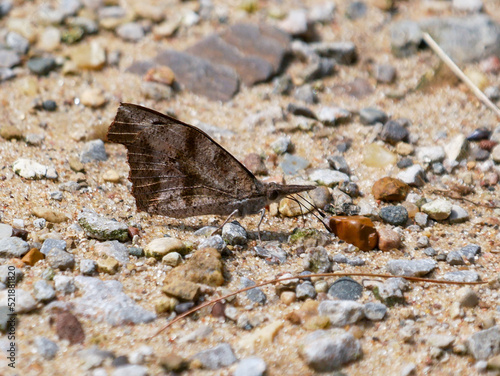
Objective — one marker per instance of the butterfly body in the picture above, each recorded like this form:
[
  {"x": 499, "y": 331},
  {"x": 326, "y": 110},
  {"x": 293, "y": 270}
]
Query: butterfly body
[{"x": 177, "y": 170}]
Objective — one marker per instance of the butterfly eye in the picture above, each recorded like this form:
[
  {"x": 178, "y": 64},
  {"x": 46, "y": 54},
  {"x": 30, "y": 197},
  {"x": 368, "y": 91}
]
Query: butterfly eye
[{"x": 272, "y": 195}]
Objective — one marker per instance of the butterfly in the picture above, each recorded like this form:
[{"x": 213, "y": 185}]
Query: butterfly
[{"x": 179, "y": 171}]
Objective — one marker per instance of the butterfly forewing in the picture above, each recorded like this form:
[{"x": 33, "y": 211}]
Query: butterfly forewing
[{"x": 176, "y": 169}]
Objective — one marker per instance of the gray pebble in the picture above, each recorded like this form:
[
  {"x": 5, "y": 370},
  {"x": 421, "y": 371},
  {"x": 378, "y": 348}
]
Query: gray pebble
[
  {"x": 341, "y": 312},
  {"x": 113, "y": 249},
  {"x": 273, "y": 254},
  {"x": 333, "y": 115},
  {"x": 59, "y": 259},
  {"x": 64, "y": 284},
  {"x": 88, "y": 267},
  {"x": 292, "y": 164},
  {"x": 384, "y": 73},
  {"x": 57, "y": 195},
  {"x": 70, "y": 7},
  {"x": 467, "y": 297},
  {"x": 136, "y": 251},
  {"x": 431, "y": 252},
  {"x": 405, "y": 162},
  {"x": 214, "y": 241},
  {"x": 13, "y": 247},
  {"x": 282, "y": 85},
  {"x": 328, "y": 177},
  {"x": 9, "y": 59},
  {"x": 93, "y": 151},
  {"x": 7, "y": 271},
  {"x": 98, "y": 227},
  {"x": 375, "y": 311},
  {"x": 392, "y": 290},
  {"x": 234, "y": 234},
  {"x": 41, "y": 66},
  {"x": 6, "y": 74},
  {"x": 282, "y": 145},
  {"x": 393, "y": 132},
  {"x": 343, "y": 52},
  {"x": 130, "y": 370},
  {"x": 252, "y": 366},
  {"x": 338, "y": 162},
  {"x": 317, "y": 260},
  {"x": 396, "y": 215},
  {"x": 106, "y": 301},
  {"x": 17, "y": 42},
  {"x": 411, "y": 268},
  {"x": 217, "y": 357},
  {"x": 355, "y": 10},
  {"x": 422, "y": 242},
  {"x": 462, "y": 276},
  {"x": 5, "y": 231},
  {"x": 470, "y": 252},
  {"x": 306, "y": 94},
  {"x": 414, "y": 176},
  {"x": 88, "y": 25},
  {"x": 48, "y": 244},
  {"x": 454, "y": 258},
  {"x": 40, "y": 223},
  {"x": 406, "y": 37},
  {"x": 346, "y": 288},
  {"x": 430, "y": 154},
  {"x": 305, "y": 290},
  {"x": 438, "y": 168},
  {"x": 255, "y": 295},
  {"x": 5, "y": 7},
  {"x": 371, "y": 116},
  {"x": 44, "y": 291},
  {"x": 46, "y": 348},
  {"x": 485, "y": 343},
  {"x": 328, "y": 350},
  {"x": 421, "y": 219}
]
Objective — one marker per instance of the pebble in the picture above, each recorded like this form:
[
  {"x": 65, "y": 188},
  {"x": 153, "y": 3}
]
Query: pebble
[
  {"x": 374, "y": 311},
  {"x": 384, "y": 73},
  {"x": 64, "y": 284},
  {"x": 41, "y": 66},
  {"x": 44, "y": 291},
  {"x": 17, "y": 42},
  {"x": 356, "y": 10},
  {"x": 255, "y": 295},
  {"x": 457, "y": 148},
  {"x": 130, "y": 370},
  {"x": 394, "y": 215},
  {"x": 9, "y": 59},
  {"x": 93, "y": 357},
  {"x": 24, "y": 301},
  {"x": 391, "y": 291},
  {"x": 413, "y": 176},
  {"x": 94, "y": 98},
  {"x": 341, "y": 312},
  {"x": 440, "y": 341},
  {"x": 282, "y": 145},
  {"x": 390, "y": 189},
  {"x": 6, "y": 73},
  {"x": 430, "y": 154},
  {"x": 49, "y": 105},
  {"x": 411, "y": 268},
  {"x": 88, "y": 267},
  {"x": 49, "y": 39},
  {"x": 106, "y": 301},
  {"x": 356, "y": 230},
  {"x": 306, "y": 94},
  {"x": 215, "y": 242},
  {"x": 59, "y": 259},
  {"x": 13, "y": 247},
  {"x": 320, "y": 196},
  {"x": 172, "y": 259},
  {"x": 93, "y": 151},
  {"x": 234, "y": 234},
  {"x": 305, "y": 291},
  {"x": 32, "y": 257},
  {"x": 217, "y": 357},
  {"x": 5, "y": 231},
  {"x": 131, "y": 32},
  {"x": 90, "y": 56},
  {"x": 422, "y": 242},
  {"x": 293, "y": 164},
  {"x": 252, "y": 366},
  {"x": 50, "y": 243},
  {"x": 272, "y": 254},
  {"x": 295, "y": 23},
  {"x": 98, "y": 227},
  {"x": 338, "y": 162},
  {"x": 462, "y": 276},
  {"x": 372, "y": 116},
  {"x": 328, "y": 350},
  {"x": 4, "y": 274},
  {"x": 108, "y": 265},
  {"x": 328, "y": 177},
  {"x": 5, "y": 7},
  {"x": 346, "y": 288},
  {"x": 495, "y": 154},
  {"x": 393, "y": 132},
  {"x": 485, "y": 343},
  {"x": 111, "y": 176},
  {"x": 255, "y": 163},
  {"x": 467, "y": 297},
  {"x": 113, "y": 249},
  {"x": 45, "y": 347},
  {"x": 388, "y": 239},
  {"x": 317, "y": 260},
  {"x": 29, "y": 169},
  {"x": 333, "y": 115},
  {"x": 217, "y": 82},
  {"x": 421, "y": 219},
  {"x": 375, "y": 155},
  {"x": 406, "y": 37},
  {"x": 342, "y": 52},
  {"x": 470, "y": 252},
  {"x": 454, "y": 258},
  {"x": 439, "y": 209}
]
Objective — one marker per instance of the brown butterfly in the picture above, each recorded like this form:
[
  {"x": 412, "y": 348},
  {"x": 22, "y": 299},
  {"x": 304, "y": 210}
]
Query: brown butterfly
[{"x": 178, "y": 171}]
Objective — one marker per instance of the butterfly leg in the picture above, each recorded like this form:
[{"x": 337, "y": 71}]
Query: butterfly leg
[
  {"x": 226, "y": 221},
  {"x": 262, "y": 214}
]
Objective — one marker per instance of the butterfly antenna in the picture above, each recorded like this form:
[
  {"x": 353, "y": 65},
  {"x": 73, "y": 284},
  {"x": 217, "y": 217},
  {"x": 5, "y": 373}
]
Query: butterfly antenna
[
  {"x": 301, "y": 204},
  {"x": 320, "y": 212}
]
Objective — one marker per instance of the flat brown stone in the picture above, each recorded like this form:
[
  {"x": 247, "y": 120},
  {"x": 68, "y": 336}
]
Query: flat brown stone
[
  {"x": 203, "y": 267},
  {"x": 251, "y": 69},
  {"x": 388, "y": 239},
  {"x": 265, "y": 42},
  {"x": 214, "y": 81},
  {"x": 68, "y": 327},
  {"x": 356, "y": 230},
  {"x": 32, "y": 257},
  {"x": 390, "y": 189},
  {"x": 182, "y": 289}
]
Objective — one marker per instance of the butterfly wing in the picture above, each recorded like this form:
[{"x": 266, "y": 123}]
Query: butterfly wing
[{"x": 176, "y": 169}]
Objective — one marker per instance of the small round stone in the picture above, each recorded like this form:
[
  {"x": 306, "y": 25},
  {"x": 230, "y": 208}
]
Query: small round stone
[
  {"x": 374, "y": 311},
  {"x": 234, "y": 234},
  {"x": 59, "y": 259},
  {"x": 423, "y": 242},
  {"x": 44, "y": 291},
  {"x": 46, "y": 348},
  {"x": 88, "y": 267},
  {"x": 49, "y": 105},
  {"x": 305, "y": 290},
  {"x": 467, "y": 297},
  {"x": 346, "y": 288},
  {"x": 288, "y": 297},
  {"x": 394, "y": 215},
  {"x": 172, "y": 259}
]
